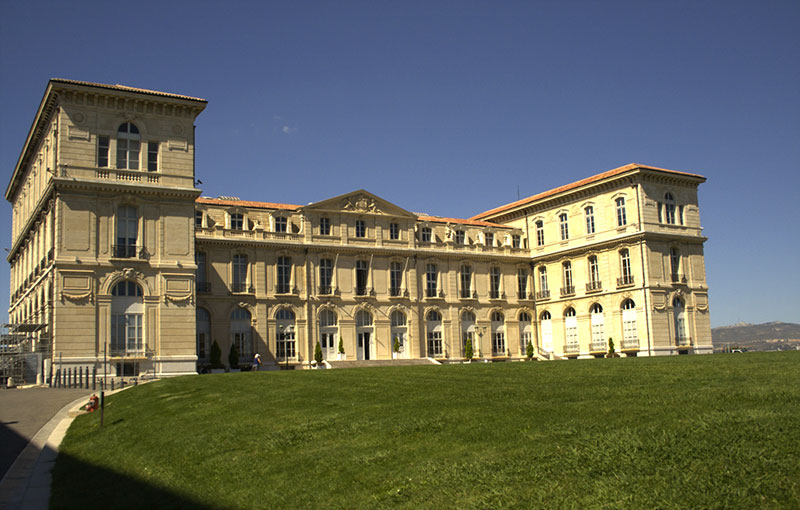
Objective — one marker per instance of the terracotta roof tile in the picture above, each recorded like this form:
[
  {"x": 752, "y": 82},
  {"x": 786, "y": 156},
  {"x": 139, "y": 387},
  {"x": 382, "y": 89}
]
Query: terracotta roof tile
[
  {"x": 127, "y": 89},
  {"x": 577, "y": 184},
  {"x": 247, "y": 203}
]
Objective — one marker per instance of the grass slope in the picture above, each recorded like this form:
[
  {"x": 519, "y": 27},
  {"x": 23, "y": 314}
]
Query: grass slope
[{"x": 716, "y": 431}]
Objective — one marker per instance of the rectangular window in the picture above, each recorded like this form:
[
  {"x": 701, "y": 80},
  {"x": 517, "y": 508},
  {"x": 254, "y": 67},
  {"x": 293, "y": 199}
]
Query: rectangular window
[
  {"x": 127, "y": 154},
  {"x": 361, "y": 228},
  {"x": 522, "y": 283},
  {"x": 281, "y": 224},
  {"x": 621, "y": 217},
  {"x": 564, "y": 226},
  {"x": 284, "y": 275},
  {"x": 237, "y": 221},
  {"x": 516, "y": 241},
  {"x": 489, "y": 239},
  {"x": 594, "y": 274},
  {"x": 625, "y": 267},
  {"x": 239, "y": 273},
  {"x": 461, "y": 237},
  {"x": 675, "y": 263},
  {"x": 361, "y": 277},
  {"x": 660, "y": 213},
  {"x": 394, "y": 231},
  {"x": 540, "y": 233},
  {"x": 324, "y": 227},
  {"x": 680, "y": 214},
  {"x": 152, "y": 156},
  {"x": 286, "y": 344},
  {"x": 127, "y": 232},
  {"x": 102, "y": 151},
  {"x": 670, "y": 209},
  {"x": 494, "y": 283},
  {"x": 435, "y": 343},
  {"x": 543, "y": 279},
  {"x": 395, "y": 278},
  {"x": 198, "y": 219},
  {"x": 466, "y": 281},
  {"x": 425, "y": 235},
  {"x": 431, "y": 276},
  {"x": 589, "y": 219},
  {"x": 325, "y": 276},
  {"x": 126, "y": 334},
  {"x": 568, "y": 287}
]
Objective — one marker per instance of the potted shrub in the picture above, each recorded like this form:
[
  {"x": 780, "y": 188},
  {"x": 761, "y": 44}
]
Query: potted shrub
[
  {"x": 529, "y": 350},
  {"x": 396, "y": 348},
  {"x": 611, "y": 352},
  {"x": 318, "y": 354},
  {"x": 233, "y": 358},
  {"x": 468, "y": 349},
  {"x": 216, "y": 359},
  {"x": 341, "y": 349}
]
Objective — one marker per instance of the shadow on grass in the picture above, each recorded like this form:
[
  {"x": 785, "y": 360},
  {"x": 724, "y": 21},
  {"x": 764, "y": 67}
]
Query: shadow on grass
[{"x": 78, "y": 484}]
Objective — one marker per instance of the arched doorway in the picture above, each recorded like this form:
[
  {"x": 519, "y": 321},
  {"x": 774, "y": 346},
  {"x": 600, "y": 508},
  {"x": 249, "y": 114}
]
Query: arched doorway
[
  {"x": 498, "y": 334},
  {"x": 468, "y": 333},
  {"x": 127, "y": 317},
  {"x": 399, "y": 332},
  {"x": 286, "y": 345},
  {"x": 363, "y": 335},
  {"x": 241, "y": 334},
  {"x": 525, "y": 333},
  {"x": 328, "y": 334},
  {"x": 433, "y": 328},
  {"x": 547, "y": 331}
]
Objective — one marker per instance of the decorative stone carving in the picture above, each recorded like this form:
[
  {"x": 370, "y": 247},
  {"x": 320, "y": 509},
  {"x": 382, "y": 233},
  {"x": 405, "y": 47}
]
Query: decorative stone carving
[
  {"x": 77, "y": 298},
  {"x": 361, "y": 203}
]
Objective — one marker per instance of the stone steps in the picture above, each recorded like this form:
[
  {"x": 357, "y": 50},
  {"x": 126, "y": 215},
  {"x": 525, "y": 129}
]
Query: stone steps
[{"x": 378, "y": 363}]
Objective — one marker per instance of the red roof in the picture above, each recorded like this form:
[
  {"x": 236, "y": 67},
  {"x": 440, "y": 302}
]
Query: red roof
[
  {"x": 577, "y": 184},
  {"x": 247, "y": 203}
]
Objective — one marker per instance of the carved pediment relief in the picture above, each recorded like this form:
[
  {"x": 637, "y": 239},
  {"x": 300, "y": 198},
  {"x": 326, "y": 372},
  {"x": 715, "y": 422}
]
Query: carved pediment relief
[{"x": 360, "y": 201}]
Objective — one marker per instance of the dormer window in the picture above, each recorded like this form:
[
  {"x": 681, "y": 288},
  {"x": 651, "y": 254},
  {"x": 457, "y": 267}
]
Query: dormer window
[
  {"x": 128, "y": 140},
  {"x": 237, "y": 221},
  {"x": 516, "y": 241},
  {"x": 460, "y": 237},
  {"x": 489, "y": 238},
  {"x": 281, "y": 224},
  {"x": 425, "y": 234}
]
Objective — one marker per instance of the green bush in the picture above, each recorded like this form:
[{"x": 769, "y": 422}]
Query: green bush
[
  {"x": 468, "y": 349},
  {"x": 396, "y": 345},
  {"x": 610, "y": 346},
  {"x": 341, "y": 346},
  {"x": 318, "y": 354},
  {"x": 216, "y": 356},
  {"x": 529, "y": 350},
  {"x": 233, "y": 357}
]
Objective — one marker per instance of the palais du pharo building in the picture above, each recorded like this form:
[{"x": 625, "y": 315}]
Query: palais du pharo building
[{"x": 115, "y": 253}]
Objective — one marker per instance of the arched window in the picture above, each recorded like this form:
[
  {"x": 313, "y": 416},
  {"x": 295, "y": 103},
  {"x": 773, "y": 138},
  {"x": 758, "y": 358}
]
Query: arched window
[
  {"x": 128, "y": 141},
  {"x": 498, "y": 334},
  {"x": 127, "y": 231},
  {"x": 468, "y": 332},
  {"x": 241, "y": 333},
  {"x": 678, "y": 308},
  {"x": 203, "y": 324},
  {"x": 630, "y": 334},
  {"x": 571, "y": 330},
  {"x": 364, "y": 335},
  {"x": 525, "y": 332},
  {"x": 284, "y": 322},
  {"x": 127, "y": 312},
  {"x": 598, "y": 333},
  {"x": 399, "y": 332},
  {"x": 621, "y": 216},
  {"x": 433, "y": 327},
  {"x": 328, "y": 333}
]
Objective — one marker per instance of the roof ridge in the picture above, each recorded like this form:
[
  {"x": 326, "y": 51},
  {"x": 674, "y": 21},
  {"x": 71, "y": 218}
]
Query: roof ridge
[{"x": 127, "y": 88}]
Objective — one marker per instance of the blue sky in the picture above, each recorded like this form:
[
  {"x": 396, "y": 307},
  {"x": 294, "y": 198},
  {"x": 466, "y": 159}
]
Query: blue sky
[{"x": 448, "y": 108}]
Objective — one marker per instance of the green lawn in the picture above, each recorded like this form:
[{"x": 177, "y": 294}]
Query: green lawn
[{"x": 715, "y": 431}]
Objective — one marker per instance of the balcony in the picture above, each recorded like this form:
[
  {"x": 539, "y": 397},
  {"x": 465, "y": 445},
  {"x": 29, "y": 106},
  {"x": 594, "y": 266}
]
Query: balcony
[
  {"x": 625, "y": 280},
  {"x": 569, "y": 290},
  {"x": 678, "y": 278},
  {"x": 495, "y": 294},
  {"x": 543, "y": 294},
  {"x": 630, "y": 343},
  {"x": 203, "y": 287},
  {"x": 361, "y": 291},
  {"x": 522, "y": 295},
  {"x": 596, "y": 286},
  {"x": 600, "y": 346},
  {"x": 572, "y": 348},
  {"x": 242, "y": 288},
  {"x": 283, "y": 288},
  {"x": 123, "y": 251}
]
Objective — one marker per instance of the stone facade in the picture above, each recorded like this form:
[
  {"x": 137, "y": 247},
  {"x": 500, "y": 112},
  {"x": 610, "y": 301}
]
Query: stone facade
[{"x": 118, "y": 255}]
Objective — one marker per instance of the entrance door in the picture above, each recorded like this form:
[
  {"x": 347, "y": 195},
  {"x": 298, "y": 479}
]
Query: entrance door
[
  {"x": 363, "y": 345},
  {"x": 328, "y": 344}
]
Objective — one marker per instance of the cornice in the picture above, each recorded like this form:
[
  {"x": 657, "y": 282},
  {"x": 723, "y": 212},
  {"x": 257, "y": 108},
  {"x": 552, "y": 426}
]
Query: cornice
[{"x": 62, "y": 183}]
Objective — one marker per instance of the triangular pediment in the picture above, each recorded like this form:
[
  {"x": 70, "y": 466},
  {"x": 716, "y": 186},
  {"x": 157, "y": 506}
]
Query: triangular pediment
[{"x": 359, "y": 202}]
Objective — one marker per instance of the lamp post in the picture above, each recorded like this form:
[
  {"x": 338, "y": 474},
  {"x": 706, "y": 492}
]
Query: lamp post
[{"x": 481, "y": 332}]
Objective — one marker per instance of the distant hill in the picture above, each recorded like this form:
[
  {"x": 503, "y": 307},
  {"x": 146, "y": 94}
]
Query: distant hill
[{"x": 771, "y": 336}]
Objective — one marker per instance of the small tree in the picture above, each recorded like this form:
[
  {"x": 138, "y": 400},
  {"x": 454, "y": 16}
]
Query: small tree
[
  {"x": 529, "y": 350},
  {"x": 216, "y": 355},
  {"x": 318, "y": 353},
  {"x": 611, "y": 353},
  {"x": 233, "y": 357},
  {"x": 468, "y": 349},
  {"x": 341, "y": 346},
  {"x": 396, "y": 345}
]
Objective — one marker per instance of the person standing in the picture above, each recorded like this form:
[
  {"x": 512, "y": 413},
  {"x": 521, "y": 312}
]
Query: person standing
[{"x": 257, "y": 362}]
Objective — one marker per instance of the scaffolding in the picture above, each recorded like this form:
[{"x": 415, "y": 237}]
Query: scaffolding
[{"x": 22, "y": 349}]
